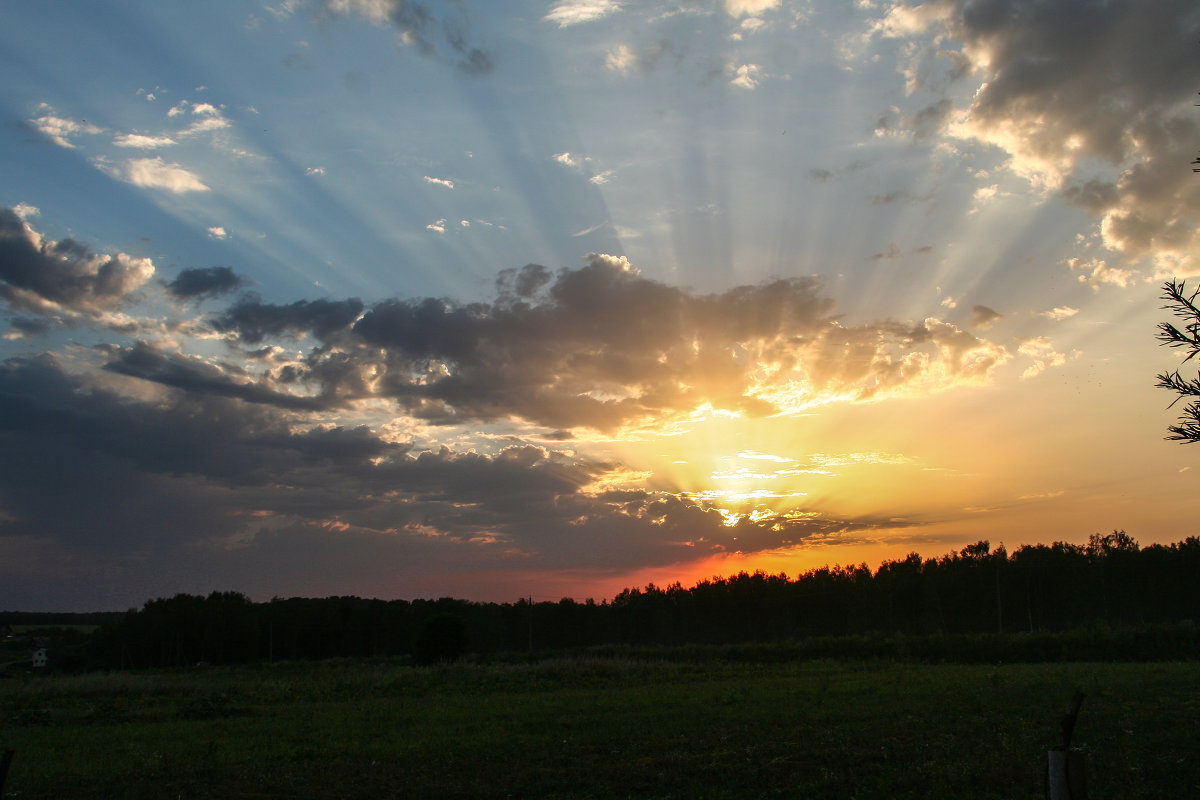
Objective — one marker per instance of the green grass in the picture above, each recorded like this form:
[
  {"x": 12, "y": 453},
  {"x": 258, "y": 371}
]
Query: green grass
[{"x": 599, "y": 728}]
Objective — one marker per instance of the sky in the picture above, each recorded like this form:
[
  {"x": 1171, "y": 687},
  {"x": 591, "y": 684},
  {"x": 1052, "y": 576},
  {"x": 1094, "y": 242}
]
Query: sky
[{"x": 551, "y": 298}]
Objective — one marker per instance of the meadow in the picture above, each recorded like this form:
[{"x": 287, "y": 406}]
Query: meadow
[{"x": 591, "y": 727}]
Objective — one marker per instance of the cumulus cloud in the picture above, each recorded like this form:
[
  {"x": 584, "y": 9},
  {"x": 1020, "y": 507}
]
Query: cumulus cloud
[
  {"x": 746, "y": 76},
  {"x": 449, "y": 184},
  {"x": 1088, "y": 98},
  {"x": 1097, "y": 273},
  {"x": 46, "y": 276},
  {"x": 252, "y": 321},
  {"x": 602, "y": 347}
]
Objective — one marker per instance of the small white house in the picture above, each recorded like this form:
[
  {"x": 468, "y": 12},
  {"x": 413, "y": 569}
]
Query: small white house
[{"x": 39, "y": 658}]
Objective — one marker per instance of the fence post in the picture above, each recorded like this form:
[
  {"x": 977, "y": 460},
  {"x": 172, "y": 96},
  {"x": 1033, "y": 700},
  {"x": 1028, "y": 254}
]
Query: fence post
[
  {"x": 1066, "y": 775},
  {"x": 5, "y": 760}
]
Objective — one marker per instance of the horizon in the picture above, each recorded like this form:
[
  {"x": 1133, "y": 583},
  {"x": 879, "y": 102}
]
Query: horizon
[{"x": 405, "y": 299}]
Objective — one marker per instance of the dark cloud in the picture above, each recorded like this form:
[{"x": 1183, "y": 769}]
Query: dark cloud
[
  {"x": 203, "y": 282},
  {"x": 253, "y": 321},
  {"x": 1067, "y": 87},
  {"x": 41, "y": 276},
  {"x": 984, "y": 317},
  {"x": 599, "y": 347},
  {"x": 174, "y": 482},
  {"x": 822, "y": 175},
  {"x": 194, "y": 375},
  {"x": 420, "y": 28}
]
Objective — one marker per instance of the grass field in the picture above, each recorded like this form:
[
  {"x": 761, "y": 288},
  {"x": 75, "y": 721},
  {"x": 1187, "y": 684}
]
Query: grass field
[{"x": 599, "y": 728}]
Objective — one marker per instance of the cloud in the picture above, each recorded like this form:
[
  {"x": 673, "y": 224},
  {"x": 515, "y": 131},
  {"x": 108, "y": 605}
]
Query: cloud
[
  {"x": 437, "y": 227},
  {"x": 418, "y": 27},
  {"x": 142, "y": 142},
  {"x": 626, "y": 59},
  {"x": 1060, "y": 313},
  {"x": 449, "y": 184},
  {"x": 217, "y": 232},
  {"x": 602, "y": 347},
  {"x": 252, "y": 321},
  {"x": 984, "y": 317},
  {"x": 1097, "y": 273},
  {"x": 45, "y": 276},
  {"x": 60, "y": 130},
  {"x": 746, "y": 76},
  {"x": 197, "y": 377},
  {"x": 1042, "y": 351},
  {"x": 1088, "y": 98},
  {"x": 574, "y": 12},
  {"x": 754, "y": 8},
  {"x": 154, "y": 173},
  {"x": 201, "y": 282},
  {"x": 199, "y": 476}
]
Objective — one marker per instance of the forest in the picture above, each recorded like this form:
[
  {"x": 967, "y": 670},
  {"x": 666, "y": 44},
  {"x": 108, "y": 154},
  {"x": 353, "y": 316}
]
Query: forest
[{"x": 1129, "y": 601}]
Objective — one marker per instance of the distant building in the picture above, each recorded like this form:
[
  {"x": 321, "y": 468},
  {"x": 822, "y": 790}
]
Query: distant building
[{"x": 40, "y": 659}]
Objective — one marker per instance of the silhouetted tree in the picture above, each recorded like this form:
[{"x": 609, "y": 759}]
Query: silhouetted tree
[{"x": 1186, "y": 335}]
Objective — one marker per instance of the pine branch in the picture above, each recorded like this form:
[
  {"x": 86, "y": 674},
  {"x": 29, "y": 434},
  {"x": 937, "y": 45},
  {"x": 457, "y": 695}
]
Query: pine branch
[{"x": 1188, "y": 429}]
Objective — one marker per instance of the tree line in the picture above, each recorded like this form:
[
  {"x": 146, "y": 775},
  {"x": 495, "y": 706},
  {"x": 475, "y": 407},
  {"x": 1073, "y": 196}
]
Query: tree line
[{"x": 1110, "y": 581}]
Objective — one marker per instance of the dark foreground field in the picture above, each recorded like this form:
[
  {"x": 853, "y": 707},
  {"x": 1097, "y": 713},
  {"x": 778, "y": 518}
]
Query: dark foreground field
[{"x": 599, "y": 728}]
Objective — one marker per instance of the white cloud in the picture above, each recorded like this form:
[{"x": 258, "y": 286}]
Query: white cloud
[
  {"x": 1097, "y": 273},
  {"x": 753, "y": 8},
  {"x": 58, "y": 129},
  {"x": 25, "y": 211},
  {"x": 1042, "y": 351},
  {"x": 566, "y": 159},
  {"x": 155, "y": 173},
  {"x": 449, "y": 184},
  {"x": 205, "y": 125},
  {"x": 437, "y": 227},
  {"x": 573, "y": 12},
  {"x": 1060, "y": 313},
  {"x": 621, "y": 59},
  {"x": 217, "y": 232},
  {"x": 601, "y": 177},
  {"x": 314, "y": 171},
  {"x": 142, "y": 142},
  {"x": 746, "y": 76}
]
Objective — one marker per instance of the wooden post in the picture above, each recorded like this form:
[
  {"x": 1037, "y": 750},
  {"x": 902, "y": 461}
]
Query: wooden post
[
  {"x": 5, "y": 760},
  {"x": 1066, "y": 776}
]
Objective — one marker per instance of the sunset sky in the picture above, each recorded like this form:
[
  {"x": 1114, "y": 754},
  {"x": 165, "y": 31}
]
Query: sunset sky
[{"x": 522, "y": 298}]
